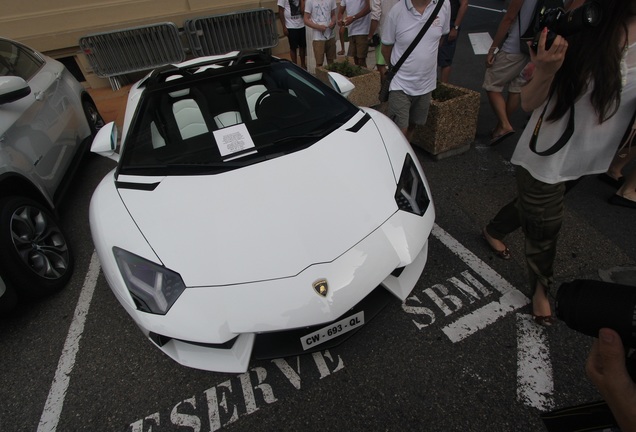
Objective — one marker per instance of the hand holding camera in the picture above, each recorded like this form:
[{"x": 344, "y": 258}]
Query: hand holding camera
[
  {"x": 607, "y": 311},
  {"x": 560, "y": 22},
  {"x": 546, "y": 59},
  {"x": 606, "y": 369}
]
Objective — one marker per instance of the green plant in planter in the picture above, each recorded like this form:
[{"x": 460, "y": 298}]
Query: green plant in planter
[
  {"x": 444, "y": 93},
  {"x": 345, "y": 68}
]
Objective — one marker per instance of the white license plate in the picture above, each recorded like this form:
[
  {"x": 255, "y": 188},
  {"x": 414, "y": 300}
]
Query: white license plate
[{"x": 332, "y": 330}]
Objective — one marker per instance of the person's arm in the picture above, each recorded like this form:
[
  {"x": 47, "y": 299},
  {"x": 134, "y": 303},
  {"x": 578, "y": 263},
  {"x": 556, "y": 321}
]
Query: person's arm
[
  {"x": 372, "y": 28},
  {"x": 341, "y": 12},
  {"x": 454, "y": 31},
  {"x": 332, "y": 24},
  {"x": 281, "y": 16},
  {"x": 502, "y": 30},
  {"x": 606, "y": 369},
  {"x": 573, "y": 4},
  {"x": 386, "y": 53},
  {"x": 311, "y": 24},
  {"x": 376, "y": 14},
  {"x": 546, "y": 64}
]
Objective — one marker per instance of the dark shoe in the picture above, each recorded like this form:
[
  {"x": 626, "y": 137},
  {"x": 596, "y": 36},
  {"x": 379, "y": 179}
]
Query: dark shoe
[
  {"x": 499, "y": 138},
  {"x": 621, "y": 201},
  {"x": 503, "y": 254},
  {"x": 606, "y": 178},
  {"x": 544, "y": 321}
]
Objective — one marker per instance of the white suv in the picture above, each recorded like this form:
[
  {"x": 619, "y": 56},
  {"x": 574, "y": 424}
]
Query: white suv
[{"x": 47, "y": 122}]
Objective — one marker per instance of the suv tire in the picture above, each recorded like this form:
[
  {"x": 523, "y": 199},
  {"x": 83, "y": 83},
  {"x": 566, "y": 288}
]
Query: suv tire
[
  {"x": 95, "y": 120},
  {"x": 34, "y": 252}
]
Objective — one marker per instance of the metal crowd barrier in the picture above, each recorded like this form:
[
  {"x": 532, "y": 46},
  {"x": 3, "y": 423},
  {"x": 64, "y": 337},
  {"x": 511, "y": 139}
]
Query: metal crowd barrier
[
  {"x": 219, "y": 34},
  {"x": 117, "y": 53}
]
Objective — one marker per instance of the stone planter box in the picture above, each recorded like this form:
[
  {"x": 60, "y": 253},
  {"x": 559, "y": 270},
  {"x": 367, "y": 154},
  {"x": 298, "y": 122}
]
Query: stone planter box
[
  {"x": 367, "y": 86},
  {"x": 451, "y": 124}
]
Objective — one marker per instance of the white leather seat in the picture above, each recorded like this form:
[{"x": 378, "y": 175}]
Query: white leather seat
[
  {"x": 253, "y": 92},
  {"x": 187, "y": 113},
  {"x": 189, "y": 118}
]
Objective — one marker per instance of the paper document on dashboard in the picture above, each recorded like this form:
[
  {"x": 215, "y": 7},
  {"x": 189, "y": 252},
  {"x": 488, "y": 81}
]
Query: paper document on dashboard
[{"x": 234, "y": 139}]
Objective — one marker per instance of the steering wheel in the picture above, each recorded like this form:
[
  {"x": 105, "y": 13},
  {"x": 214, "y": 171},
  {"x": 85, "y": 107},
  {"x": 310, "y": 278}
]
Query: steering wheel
[{"x": 265, "y": 95}]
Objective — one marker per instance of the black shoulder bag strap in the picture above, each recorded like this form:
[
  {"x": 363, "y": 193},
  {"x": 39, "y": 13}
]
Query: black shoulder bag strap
[
  {"x": 567, "y": 133},
  {"x": 626, "y": 141},
  {"x": 419, "y": 37}
]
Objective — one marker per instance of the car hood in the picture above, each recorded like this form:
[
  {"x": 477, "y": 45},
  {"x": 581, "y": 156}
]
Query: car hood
[{"x": 272, "y": 219}]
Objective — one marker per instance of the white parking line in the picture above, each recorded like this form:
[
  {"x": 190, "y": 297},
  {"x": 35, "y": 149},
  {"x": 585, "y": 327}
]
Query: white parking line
[
  {"x": 481, "y": 42},
  {"x": 535, "y": 384},
  {"x": 488, "y": 9},
  {"x": 511, "y": 299},
  {"x": 534, "y": 370},
  {"x": 54, "y": 402}
]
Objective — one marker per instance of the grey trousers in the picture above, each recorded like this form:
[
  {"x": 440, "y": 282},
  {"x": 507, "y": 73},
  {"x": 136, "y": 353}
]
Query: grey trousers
[{"x": 538, "y": 211}]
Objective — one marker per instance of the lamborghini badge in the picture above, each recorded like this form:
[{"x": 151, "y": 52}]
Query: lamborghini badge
[{"x": 321, "y": 287}]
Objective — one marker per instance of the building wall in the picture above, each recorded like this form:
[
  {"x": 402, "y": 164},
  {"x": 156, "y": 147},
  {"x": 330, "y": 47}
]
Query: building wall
[{"x": 55, "y": 27}]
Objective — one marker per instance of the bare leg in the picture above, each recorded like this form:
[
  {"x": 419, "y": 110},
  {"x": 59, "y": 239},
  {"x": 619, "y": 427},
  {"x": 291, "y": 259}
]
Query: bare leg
[
  {"x": 628, "y": 189},
  {"x": 501, "y": 107},
  {"x": 619, "y": 162},
  {"x": 444, "y": 75},
  {"x": 540, "y": 302},
  {"x": 512, "y": 104},
  {"x": 409, "y": 132}
]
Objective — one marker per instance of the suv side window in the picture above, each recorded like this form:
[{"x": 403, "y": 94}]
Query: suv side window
[{"x": 18, "y": 61}]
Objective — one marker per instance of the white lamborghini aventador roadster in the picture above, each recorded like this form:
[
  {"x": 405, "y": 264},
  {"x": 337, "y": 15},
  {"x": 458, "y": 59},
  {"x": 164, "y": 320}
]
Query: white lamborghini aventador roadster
[{"x": 255, "y": 212}]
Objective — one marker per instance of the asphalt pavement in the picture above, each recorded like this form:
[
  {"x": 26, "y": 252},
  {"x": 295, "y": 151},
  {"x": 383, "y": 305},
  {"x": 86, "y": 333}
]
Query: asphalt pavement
[{"x": 461, "y": 354}]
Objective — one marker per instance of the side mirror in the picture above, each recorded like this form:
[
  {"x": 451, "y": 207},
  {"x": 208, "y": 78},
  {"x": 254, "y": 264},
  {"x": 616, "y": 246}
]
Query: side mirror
[
  {"x": 13, "y": 88},
  {"x": 105, "y": 142},
  {"x": 341, "y": 84}
]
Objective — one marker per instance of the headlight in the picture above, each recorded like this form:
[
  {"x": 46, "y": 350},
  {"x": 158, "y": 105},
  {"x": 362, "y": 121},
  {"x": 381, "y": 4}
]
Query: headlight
[
  {"x": 154, "y": 288},
  {"x": 411, "y": 194}
]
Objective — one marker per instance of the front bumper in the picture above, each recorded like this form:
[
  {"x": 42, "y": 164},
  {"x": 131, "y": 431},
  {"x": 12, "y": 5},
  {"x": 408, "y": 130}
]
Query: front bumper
[
  {"x": 216, "y": 327},
  {"x": 235, "y": 355}
]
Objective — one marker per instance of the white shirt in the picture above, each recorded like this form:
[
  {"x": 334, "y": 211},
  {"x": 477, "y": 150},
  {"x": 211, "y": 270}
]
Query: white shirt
[
  {"x": 380, "y": 10},
  {"x": 418, "y": 74},
  {"x": 320, "y": 11},
  {"x": 361, "y": 25},
  {"x": 293, "y": 14},
  {"x": 521, "y": 23},
  {"x": 592, "y": 146}
]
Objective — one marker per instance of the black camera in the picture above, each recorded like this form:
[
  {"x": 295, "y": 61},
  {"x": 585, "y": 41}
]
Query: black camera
[
  {"x": 588, "y": 305},
  {"x": 560, "y": 22}
]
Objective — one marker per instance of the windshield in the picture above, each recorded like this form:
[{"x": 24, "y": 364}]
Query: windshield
[{"x": 230, "y": 119}]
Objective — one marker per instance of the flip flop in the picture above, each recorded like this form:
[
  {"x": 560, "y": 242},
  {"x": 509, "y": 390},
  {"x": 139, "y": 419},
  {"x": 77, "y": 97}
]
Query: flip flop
[
  {"x": 621, "y": 201},
  {"x": 499, "y": 138}
]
